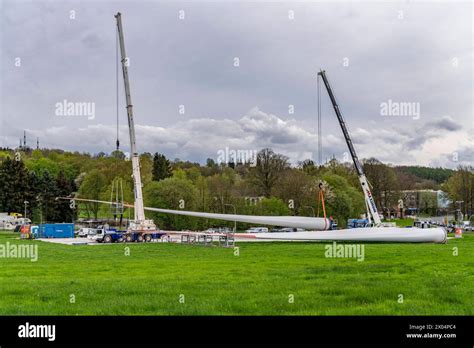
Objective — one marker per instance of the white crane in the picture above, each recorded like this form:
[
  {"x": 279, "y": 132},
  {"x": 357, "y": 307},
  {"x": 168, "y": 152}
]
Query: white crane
[
  {"x": 139, "y": 223},
  {"x": 372, "y": 213}
]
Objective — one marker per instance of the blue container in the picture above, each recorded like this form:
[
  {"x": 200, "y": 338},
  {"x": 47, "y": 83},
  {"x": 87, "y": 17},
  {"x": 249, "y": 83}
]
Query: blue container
[{"x": 56, "y": 231}]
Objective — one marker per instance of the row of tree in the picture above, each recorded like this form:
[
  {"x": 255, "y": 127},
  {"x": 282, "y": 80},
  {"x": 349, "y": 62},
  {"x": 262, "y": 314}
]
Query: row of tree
[
  {"x": 35, "y": 193},
  {"x": 270, "y": 186}
]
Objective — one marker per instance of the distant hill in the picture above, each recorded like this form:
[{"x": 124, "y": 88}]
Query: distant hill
[{"x": 438, "y": 175}]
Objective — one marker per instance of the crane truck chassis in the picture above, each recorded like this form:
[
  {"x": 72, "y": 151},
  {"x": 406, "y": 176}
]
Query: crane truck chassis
[{"x": 114, "y": 236}]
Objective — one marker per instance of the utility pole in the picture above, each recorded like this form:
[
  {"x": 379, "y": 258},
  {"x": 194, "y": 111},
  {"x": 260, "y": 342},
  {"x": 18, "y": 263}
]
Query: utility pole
[{"x": 25, "y": 203}]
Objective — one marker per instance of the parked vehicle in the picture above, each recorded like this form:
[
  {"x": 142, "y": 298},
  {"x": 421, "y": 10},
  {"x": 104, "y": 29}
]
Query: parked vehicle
[
  {"x": 103, "y": 235},
  {"x": 12, "y": 221},
  {"x": 218, "y": 230},
  {"x": 84, "y": 232},
  {"x": 421, "y": 224},
  {"x": 257, "y": 230},
  {"x": 106, "y": 236},
  {"x": 357, "y": 223},
  {"x": 288, "y": 229},
  {"x": 466, "y": 225}
]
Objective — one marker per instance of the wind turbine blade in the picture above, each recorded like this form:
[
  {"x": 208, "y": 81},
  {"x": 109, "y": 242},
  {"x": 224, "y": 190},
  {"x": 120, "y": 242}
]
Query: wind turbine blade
[{"x": 305, "y": 222}]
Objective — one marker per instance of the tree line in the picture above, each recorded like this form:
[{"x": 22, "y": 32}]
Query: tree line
[{"x": 269, "y": 186}]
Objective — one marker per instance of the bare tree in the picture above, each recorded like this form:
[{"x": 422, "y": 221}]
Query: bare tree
[
  {"x": 385, "y": 186},
  {"x": 268, "y": 170}
]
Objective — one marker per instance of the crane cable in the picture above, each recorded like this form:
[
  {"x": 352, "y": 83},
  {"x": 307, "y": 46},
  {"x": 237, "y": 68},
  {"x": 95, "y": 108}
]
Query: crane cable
[
  {"x": 117, "y": 85},
  {"x": 320, "y": 153},
  {"x": 320, "y": 146}
]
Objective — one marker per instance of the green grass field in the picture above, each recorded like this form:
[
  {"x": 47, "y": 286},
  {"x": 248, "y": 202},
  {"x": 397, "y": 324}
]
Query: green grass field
[{"x": 260, "y": 281}]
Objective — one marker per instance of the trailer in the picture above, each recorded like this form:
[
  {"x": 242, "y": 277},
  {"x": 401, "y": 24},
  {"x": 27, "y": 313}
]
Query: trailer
[{"x": 146, "y": 236}]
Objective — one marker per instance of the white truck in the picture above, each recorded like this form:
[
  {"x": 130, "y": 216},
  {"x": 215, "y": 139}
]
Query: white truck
[
  {"x": 257, "y": 230},
  {"x": 85, "y": 232}
]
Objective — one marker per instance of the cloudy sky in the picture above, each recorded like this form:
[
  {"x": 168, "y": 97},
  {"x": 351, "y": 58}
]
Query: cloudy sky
[{"x": 191, "y": 98}]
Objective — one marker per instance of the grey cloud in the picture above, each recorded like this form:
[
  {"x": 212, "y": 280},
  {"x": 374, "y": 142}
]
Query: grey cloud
[
  {"x": 463, "y": 156},
  {"x": 190, "y": 62},
  {"x": 420, "y": 133},
  {"x": 201, "y": 138},
  {"x": 445, "y": 123},
  {"x": 92, "y": 40}
]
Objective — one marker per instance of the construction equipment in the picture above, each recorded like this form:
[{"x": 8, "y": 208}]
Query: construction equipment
[
  {"x": 139, "y": 223},
  {"x": 105, "y": 235},
  {"x": 372, "y": 213}
]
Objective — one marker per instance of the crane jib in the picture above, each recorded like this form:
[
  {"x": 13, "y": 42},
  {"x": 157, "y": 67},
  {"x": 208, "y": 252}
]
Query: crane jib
[
  {"x": 138, "y": 211},
  {"x": 345, "y": 132}
]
